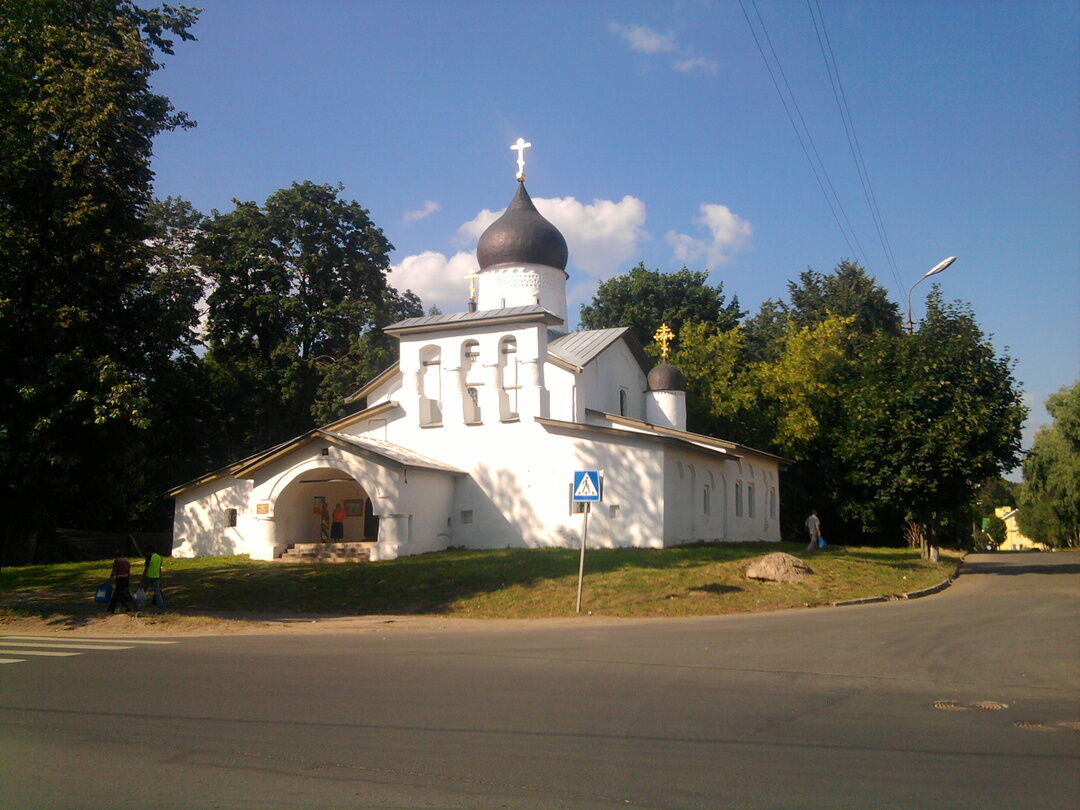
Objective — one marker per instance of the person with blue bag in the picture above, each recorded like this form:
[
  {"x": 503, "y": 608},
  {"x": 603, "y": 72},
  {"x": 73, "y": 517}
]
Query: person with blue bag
[
  {"x": 121, "y": 577},
  {"x": 813, "y": 528}
]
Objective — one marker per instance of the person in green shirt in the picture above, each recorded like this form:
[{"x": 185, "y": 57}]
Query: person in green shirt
[{"x": 152, "y": 577}]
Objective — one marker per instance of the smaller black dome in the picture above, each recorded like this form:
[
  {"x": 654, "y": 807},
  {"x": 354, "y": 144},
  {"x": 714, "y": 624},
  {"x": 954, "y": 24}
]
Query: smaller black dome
[
  {"x": 522, "y": 236},
  {"x": 665, "y": 377}
]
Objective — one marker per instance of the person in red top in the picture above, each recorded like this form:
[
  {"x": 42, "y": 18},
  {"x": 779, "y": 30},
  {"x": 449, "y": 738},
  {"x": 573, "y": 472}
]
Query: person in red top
[
  {"x": 337, "y": 526},
  {"x": 121, "y": 577}
]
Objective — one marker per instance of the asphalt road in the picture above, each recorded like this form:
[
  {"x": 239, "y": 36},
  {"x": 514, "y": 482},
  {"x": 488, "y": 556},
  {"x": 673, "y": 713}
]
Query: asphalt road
[{"x": 867, "y": 706}]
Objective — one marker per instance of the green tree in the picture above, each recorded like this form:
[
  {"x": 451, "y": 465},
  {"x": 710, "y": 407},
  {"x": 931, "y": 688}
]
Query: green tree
[
  {"x": 78, "y": 336},
  {"x": 643, "y": 299},
  {"x": 936, "y": 414},
  {"x": 299, "y": 291},
  {"x": 1050, "y": 494},
  {"x": 717, "y": 393},
  {"x": 847, "y": 292},
  {"x": 993, "y": 494}
]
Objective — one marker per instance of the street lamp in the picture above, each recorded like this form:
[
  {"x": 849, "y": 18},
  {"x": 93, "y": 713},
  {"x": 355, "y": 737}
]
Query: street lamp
[{"x": 933, "y": 271}]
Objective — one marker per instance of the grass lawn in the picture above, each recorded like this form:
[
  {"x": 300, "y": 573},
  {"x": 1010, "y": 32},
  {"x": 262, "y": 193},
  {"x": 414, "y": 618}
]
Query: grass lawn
[{"x": 697, "y": 580}]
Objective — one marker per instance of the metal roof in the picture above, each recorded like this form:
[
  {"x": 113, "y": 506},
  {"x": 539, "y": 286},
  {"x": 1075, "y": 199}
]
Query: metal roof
[
  {"x": 456, "y": 318},
  {"x": 395, "y": 452},
  {"x": 581, "y": 348}
]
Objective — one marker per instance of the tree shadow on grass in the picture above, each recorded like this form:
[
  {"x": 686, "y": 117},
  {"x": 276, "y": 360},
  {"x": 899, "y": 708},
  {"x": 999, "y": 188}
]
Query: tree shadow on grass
[
  {"x": 423, "y": 584},
  {"x": 716, "y": 588}
]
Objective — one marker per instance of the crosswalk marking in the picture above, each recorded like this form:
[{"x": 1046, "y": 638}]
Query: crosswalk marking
[
  {"x": 62, "y": 646},
  {"x": 85, "y": 638},
  {"x": 58, "y": 647}
]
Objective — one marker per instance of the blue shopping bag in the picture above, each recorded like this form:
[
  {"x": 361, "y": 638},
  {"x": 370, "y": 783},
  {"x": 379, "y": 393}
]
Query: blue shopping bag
[
  {"x": 103, "y": 592},
  {"x": 820, "y": 542}
]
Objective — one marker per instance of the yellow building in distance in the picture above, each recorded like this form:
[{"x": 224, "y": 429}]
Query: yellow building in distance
[{"x": 1014, "y": 538}]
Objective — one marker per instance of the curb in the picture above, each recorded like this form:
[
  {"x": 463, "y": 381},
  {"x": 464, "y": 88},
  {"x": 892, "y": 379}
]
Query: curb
[{"x": 945, "y": 583}]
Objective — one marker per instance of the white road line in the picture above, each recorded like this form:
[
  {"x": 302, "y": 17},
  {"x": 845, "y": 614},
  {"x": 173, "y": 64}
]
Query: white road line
[
  {"x": 42, "y": 652},
  {"x": 12, "y": 660},
  {"x": 62, "y": 646},
  {"x": 86, "y": 639}
]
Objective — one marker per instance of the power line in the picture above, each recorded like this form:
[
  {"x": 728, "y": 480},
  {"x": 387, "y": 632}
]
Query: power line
[
  {"x": 803, "y": 136},
  {"x": 840, "y": 96}
]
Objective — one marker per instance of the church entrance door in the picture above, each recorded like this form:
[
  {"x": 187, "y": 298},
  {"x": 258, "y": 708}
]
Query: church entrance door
[{"x": 304, "y": 509}]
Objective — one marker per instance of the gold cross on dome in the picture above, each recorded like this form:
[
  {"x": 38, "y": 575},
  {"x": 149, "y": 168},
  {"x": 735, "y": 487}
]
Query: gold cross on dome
[
  {"x": 520, "y": 146},
  {"x": 472, "y": 284},
  {"x": 664, "y": 336}
]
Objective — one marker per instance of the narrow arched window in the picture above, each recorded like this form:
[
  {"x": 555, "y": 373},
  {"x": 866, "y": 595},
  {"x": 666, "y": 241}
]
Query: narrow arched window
[
  {"x": 738, "y": 499},
  {"x": 430, "y": 386},
  {"x": 470, "y": 361},
  {"x": 472, "y": 407},
  {"x": 508, "y": 379},
  {"x": 622, "y": 402}
]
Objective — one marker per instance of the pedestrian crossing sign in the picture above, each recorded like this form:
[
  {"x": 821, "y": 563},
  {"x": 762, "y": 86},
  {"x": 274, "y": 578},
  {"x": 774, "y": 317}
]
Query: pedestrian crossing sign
[{"x": 586, "y": 485}]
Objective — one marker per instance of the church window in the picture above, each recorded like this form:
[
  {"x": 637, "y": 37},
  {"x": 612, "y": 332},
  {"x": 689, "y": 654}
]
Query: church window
[
  {"x": 470, "y": 354},
  {"x": 472, "y": 407},
  {"x": 738, "y": 499},
  {"x": 466, "y": 515},
  {"x": 325, "y": 451},
  {"x": 230, "y": 517},
  {"x": 613, "y": 511},
  {"x": 508, "y": 379},
  {"x": 706, "y": 506},
  {"x": 772, "y": 502},
  {"x": 430, "y": 387},
  {"x": 750, "y": 500},
  {"x": 622, "y": 402}
]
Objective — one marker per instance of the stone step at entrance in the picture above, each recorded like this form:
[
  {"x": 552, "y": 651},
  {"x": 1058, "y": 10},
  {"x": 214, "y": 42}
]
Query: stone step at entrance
[{"x": 326, "y": 552}]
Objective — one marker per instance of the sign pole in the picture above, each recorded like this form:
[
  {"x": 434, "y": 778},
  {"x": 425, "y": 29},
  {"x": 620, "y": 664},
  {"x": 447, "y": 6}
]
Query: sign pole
[{"x": 581, "y": 563}]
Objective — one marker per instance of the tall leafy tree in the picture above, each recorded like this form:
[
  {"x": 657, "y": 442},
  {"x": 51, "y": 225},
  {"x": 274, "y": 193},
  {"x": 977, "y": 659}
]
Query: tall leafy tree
[
  {"x": 299, "y": 291},
  {"x": 849, "y": 292},
  {"x": 643, "y": 299},
  {"x": 78, "y": 335},
  {"x": 1050, "y": 494},
  {"x": 935, "y": 415}
]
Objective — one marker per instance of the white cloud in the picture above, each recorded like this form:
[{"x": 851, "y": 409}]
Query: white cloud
[
  {"x": 601, "y": 236},
  {"x": 430, "y": 207},
  {"x": 702, "y": 63},
  {"x": 475, "y": 227},
  {"x": 434, "y": 277},
  {"x": 728, "y": 233},
  {"x": 644, "y": 39}
]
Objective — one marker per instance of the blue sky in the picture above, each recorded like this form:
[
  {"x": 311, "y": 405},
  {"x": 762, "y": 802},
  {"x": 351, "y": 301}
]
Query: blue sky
[{"x": 658, "y": 135}]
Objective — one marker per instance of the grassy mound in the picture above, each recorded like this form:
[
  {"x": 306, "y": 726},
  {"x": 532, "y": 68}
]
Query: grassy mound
[{"x": 697, "y": 580}]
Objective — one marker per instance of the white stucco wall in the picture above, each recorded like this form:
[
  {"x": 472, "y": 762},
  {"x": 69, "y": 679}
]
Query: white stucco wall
[
  {"x": 516, "y": 491},
  {"x": 200, "y": 518},
  {"x": 599, "y": 383}
]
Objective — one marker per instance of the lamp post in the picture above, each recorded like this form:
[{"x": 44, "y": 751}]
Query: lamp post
[{"x": 933, "y": 271}]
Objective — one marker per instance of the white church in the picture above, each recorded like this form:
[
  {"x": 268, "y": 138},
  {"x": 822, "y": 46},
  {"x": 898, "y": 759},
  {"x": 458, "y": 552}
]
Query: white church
[{"x": 472, "y": 438}]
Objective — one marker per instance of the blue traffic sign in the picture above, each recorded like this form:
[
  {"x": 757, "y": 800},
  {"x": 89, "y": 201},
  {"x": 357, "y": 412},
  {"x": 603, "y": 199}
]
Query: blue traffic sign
[{"x": 587, "y": 485}]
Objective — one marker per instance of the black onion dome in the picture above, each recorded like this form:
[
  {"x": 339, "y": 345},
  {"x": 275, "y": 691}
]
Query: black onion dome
[
  {"x": 522, "y": 236},
  {"x": 665, "y": 377}
]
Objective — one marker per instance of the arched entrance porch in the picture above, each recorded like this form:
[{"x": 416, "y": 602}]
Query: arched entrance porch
[{"x": 298, "y": 508}]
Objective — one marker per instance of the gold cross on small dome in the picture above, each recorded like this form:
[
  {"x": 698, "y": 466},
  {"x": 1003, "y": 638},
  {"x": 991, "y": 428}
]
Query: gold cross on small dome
[{"x": 664, "y": 336}]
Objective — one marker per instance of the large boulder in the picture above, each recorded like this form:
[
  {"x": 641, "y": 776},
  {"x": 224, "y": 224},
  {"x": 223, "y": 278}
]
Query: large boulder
[{"x": 778, "y": 567}]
